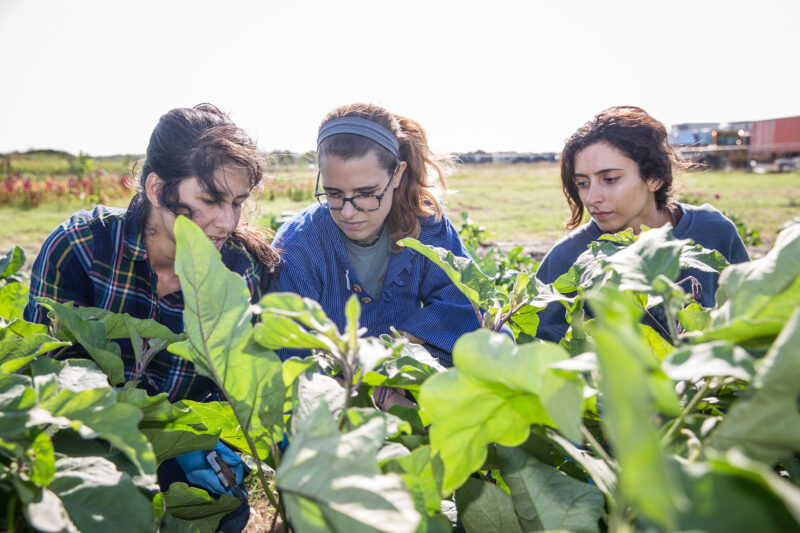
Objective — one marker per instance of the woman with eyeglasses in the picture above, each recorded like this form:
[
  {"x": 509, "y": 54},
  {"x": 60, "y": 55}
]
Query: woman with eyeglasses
[
  {"x": 619, "y": 167},
  {"x": 375, "y": 186}
]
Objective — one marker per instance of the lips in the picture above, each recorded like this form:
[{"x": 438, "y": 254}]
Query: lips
[
  {"x": 218, "y": 241},
  {"x": 600, "y": 215}
]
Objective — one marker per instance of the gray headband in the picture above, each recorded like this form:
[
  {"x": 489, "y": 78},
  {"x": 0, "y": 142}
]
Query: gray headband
[{"x": 364, "y": 128}]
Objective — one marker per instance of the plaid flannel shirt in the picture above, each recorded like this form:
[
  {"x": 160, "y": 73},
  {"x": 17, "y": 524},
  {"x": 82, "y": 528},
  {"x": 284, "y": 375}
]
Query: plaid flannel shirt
[{"x": 99, "y": 259}]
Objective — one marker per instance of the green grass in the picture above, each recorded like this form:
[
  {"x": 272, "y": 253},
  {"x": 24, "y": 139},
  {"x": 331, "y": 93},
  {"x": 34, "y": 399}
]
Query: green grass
[{"x": 521, "y": 202}]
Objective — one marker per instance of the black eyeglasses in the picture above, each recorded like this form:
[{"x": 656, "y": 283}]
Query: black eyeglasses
[{"x": 361, "y": 202}]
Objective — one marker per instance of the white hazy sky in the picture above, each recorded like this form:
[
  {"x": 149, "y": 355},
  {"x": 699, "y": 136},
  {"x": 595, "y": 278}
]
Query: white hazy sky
[{"x": 95, "y": 75}]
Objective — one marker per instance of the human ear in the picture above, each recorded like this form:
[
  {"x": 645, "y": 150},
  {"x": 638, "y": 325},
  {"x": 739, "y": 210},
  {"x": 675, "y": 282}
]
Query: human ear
[
  {"x": 152, "y": 188},
  {"x": 398, "y": 173},
  {"x": 654, "y": 184}
]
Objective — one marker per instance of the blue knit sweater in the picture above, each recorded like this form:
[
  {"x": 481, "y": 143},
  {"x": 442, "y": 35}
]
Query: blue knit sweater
[
  {"x": 704, "y": 224},
  {"x": 417, "y": 296}
]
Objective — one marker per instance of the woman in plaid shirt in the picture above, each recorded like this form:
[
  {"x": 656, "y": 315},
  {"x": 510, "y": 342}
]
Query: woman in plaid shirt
[{"x": 198, "y": 164}]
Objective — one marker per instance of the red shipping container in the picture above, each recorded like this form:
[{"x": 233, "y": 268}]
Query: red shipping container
[{"x": 776, "y": 136}]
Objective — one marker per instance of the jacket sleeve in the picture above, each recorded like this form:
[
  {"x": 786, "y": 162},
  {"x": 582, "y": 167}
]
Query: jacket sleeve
[{"x": 60, "y": 272}]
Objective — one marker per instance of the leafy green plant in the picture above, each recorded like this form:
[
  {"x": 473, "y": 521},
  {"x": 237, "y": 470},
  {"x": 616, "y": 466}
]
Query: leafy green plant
[{"x": 632, "y": 432}]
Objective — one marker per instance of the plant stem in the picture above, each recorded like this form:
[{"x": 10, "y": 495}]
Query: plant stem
[
  {"x": 12, "y": 503},
  {"x": 689, "y": 406},
  {"x": 599, "y": 449}
]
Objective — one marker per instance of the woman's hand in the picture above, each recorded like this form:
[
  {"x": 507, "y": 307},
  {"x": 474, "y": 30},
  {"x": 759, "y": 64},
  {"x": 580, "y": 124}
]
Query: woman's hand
[{"x": 412, "y": 338}]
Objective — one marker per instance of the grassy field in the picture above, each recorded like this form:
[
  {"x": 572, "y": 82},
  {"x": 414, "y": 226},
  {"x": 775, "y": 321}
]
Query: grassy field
[{"x": 521, "y": 202}]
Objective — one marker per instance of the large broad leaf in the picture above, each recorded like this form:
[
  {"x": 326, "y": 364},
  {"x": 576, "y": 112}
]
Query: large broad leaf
[
  {"x": 17, "y": 352},
  {"x": 732, "y": 493},
  {"x": 486, "y": 508},
  {"x": 422, "y": 474},
  {"x": 90, "y": 334},
  {"x": 462, "y": 271},
  {"x": 762, "y": 291},
  {"x": 11, "y": 262},
  {"x": 219, "y": 335},
  {"x": 654, "y": 254},
  {"x": 290, "y": 321},
  {"x": 99, "y": 498},
  {"x": 196, "y": 506},
  {"x": 765, "y": 423},
  {"x": 48, "y": 514},
  {"x": 95, "y": 413},
  {"x": 546, "y": 498},
  {"x": 625, "y": 364},
  {"x": 175, "y": 429},
  {"x": 331, "y": 482},
  {"x": 311, "y": 389},
  {"x": 494, "y": 394},
  {"x": 13, "y": 298},
  {"x": 720, "y": 359}
]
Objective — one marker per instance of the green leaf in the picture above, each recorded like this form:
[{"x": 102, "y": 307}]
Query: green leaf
[
  {"x": 732, "y": 493},
  {"x": 654, "y": 254},
  {"x": 76, "y": 375},
  {"x": 98, "y": 497},
  {"x": 703, "y": 259},
  {"x": 546, "y": 498},
  {"x": 625, "y": 364},
  {"x": 718, "y": 358},
  {"x": 174, "y": 429},
  {"x": 290, "y": 321},
  {"x": 48, "y": 514},
  {"x": 765, "y": 422},
  {"x": 219, "y": 335},
  {"x": 656, "y": 342},
  {"x": 598, "y": 470},
  {"x": 90, "y": 334},
  {"x": 21, "y": 328},
  {"x": 17, "y": 352},
  {"x": 11, "y": 262},
  {"x": 120, "y": 325},
  {"x": 13, "y": 299},
  {"x": 309, "y": 390},
  {"x": 694, "y": 317},
  {"x": 462, "y": 271},
  {"x": 764, "y": 291},
  {"x": 486, "y": 508},
  {"x": 422, "y": 475},
  {"x": 196, "y": 506},
  {"x": 494, "y": 393},
  {"x": 331, "y": 482},
  {"x": 43, "y": 462}
]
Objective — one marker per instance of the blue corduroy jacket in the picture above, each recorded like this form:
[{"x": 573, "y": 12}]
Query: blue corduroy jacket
[{"x": 417, "y": 296}]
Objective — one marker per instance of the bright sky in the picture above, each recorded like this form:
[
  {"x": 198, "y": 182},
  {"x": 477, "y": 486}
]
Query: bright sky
[{"x": 95, "y": 75}]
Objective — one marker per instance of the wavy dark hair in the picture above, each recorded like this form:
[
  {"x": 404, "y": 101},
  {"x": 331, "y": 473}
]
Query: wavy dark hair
[
  {"x": 196, "y": 142},
  {"x": 414, "y": 198},
  {"x": 632, "y": 131}
]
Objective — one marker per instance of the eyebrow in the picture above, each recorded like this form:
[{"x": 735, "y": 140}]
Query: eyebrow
[{"x": 577, "y": 175}]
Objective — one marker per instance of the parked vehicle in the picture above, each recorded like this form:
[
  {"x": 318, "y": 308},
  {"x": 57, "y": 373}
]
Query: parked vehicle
[{"x": 762, "y": 145}]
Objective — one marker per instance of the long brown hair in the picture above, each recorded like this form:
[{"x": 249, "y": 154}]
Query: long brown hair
[
  {"x": 414, "y": 198},
  {"x": 196, "y": 142},
  {"x": 637, "y": 135}
]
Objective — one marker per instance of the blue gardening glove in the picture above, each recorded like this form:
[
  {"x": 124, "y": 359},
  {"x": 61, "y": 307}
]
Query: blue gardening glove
[{"x": 199, "y": 471}]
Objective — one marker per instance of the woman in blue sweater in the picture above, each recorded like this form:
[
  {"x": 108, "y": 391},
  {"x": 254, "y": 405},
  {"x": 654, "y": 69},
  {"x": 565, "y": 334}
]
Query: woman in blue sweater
[
  {"x": 376, "y": 182},
  {"x": 619, "y": 167}
]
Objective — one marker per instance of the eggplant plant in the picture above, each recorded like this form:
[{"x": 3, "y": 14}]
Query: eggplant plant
[{"x": 619, "y": 427}]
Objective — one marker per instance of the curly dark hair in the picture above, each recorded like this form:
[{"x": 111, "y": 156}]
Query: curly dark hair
[{"x": 636, "y": 134}]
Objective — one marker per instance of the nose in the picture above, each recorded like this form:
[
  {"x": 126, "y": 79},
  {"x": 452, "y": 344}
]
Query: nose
[
  {"x": 348, "y": 210},
  {"x": 594, "y": 195},
  {"x": 226, "y": 218}
]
